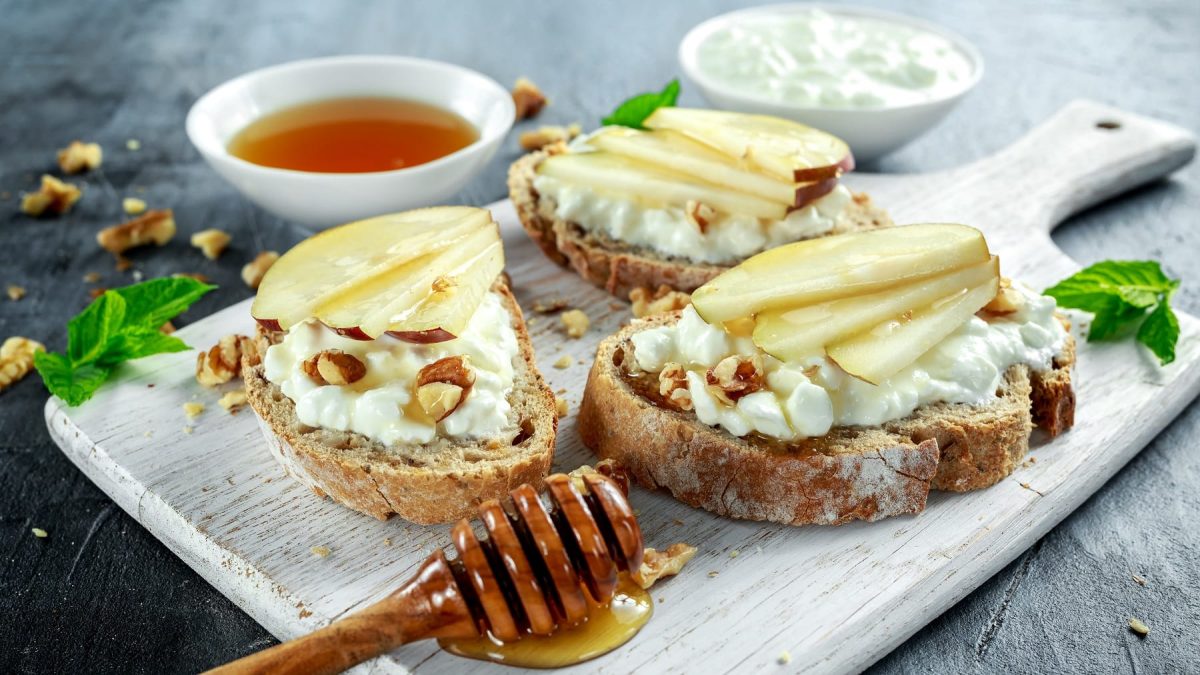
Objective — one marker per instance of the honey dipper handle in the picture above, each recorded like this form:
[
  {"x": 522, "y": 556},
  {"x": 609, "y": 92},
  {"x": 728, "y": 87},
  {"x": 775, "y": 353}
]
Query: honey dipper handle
[{"x": 429, "y": 605}]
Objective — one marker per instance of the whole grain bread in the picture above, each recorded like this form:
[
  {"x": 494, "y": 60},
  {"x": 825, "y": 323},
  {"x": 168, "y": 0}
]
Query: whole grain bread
[
  {"x": 616, "y": 266},
  {"x": 435, "y": 482},
  {"x": 852, "y": 473}
]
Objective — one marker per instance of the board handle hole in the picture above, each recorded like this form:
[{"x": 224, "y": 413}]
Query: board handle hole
[{"x": 1108, "y": 125}]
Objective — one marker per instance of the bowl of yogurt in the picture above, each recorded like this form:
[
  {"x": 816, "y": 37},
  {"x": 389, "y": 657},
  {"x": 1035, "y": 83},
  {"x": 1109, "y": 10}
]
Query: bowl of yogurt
[{"x": 875, "y": 79}]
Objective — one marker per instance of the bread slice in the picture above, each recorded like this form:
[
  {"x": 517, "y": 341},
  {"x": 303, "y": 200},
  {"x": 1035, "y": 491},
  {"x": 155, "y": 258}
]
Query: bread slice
[
  {"x": 616, "y": 266},
  {"x": 436, "y": 482},
  {"x": 852, "y": 473}
]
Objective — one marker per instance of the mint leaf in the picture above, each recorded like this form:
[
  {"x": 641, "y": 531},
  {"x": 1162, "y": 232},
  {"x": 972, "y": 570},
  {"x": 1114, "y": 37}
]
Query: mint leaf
[
  {"x": 136, "y": 343},
  {"x": 72, "y": 384},
  {"x": 1160, "y": 332},
  {"x": 152, "y": 303},
  {"x": 91, "y": 329},
  {"x": 634, "y": 111},
  {"x": 1114, "y": 319}
]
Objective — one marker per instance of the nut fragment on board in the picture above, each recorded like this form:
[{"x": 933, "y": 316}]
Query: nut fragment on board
[
  {"x": 548, "y": 135},
  {"x": 193, "y": 409},
  {"x": 220, "y": 363},
  {"x": 53, "y": 196},
  {"x": 649, "y": 303},
  {"x": 576, "y": 322},
  {"x": 563, "y": 361},
  {"x": 528, "y": 98},
  {"x": 561, "y": 406},
  {"x": 16, "y": 359},
  {"x": 1138, "y": 627},
  {"x": 334, "y": 366},
  {"x": 550, "y": 306},
  {"x": 15, "y": 292},
  {"x": 232, "y": 400},
  {"x": 256, "y": 269},
  {"x": 211, "y": 242},
  {"x": 153, "y": 227},
  {"x": 79, "y": 156},
  {"x": 133, "y": 206},
  {"x": 658, "y": 564}
]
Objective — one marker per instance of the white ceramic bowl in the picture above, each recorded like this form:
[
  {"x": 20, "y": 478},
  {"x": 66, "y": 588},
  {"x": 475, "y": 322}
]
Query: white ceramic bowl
[
  {"x": 324, "y": 199},
  {"x": 871, "y": 133}
]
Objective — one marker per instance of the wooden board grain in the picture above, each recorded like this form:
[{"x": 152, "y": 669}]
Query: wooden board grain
[{"x": 835, "y": 599}]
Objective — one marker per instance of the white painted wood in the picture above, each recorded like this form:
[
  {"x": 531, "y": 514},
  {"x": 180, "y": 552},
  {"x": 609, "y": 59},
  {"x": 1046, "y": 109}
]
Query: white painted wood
[{"x": 835, "y": 598}]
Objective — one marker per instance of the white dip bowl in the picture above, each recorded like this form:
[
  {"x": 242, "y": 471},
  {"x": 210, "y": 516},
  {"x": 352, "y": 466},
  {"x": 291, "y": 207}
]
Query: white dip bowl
[
  {"x": 320, "y": 200},
  {"x": 870, "y": 132}
]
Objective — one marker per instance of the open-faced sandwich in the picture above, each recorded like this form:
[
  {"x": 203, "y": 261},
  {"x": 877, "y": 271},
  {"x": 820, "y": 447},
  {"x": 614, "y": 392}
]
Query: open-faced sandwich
[
  {"x": 690, "y": 195},
  {"x": 836, "y": 379},
  {"x": 394, "y": 370}
]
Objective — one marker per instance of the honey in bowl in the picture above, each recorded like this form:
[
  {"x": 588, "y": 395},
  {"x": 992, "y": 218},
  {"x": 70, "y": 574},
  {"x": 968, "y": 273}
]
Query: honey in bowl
[{"x": 353, "y": 135}]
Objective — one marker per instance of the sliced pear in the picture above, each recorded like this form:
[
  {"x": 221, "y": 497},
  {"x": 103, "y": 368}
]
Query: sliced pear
[
  {"x": 796, "y": 334},
  {"x": 445, "y": 312},
  {"x": 624, "y": 176},
  {"x": 327, "y": 264},
  {"x": 817, "y": 270},
  {"x": 884, "y": 350},
  {"x": 785, "y": 149}
]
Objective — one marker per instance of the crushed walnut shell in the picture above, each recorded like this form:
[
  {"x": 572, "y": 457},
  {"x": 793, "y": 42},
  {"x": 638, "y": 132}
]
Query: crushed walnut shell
[
  {"x": 736, "y": 376},
  {"x": 79, "y": 156},
  {"x": 15, "y": 292},
  {"x": 154, "y": 227},
  {"x": 576, "y": 322},
  {"x": 334, "y": 366},
  {"x": 665, "y": 299},
  {"x": 659, "y": 564},
  {"x": 528, "y": 99},
  {"x": 16, "y": 359},
  {"x": 220, "y": 364},
  {"x": 256, "y": 269},
  {"x": 549, "y": 135},
  {"x": 53, "y": 196}
]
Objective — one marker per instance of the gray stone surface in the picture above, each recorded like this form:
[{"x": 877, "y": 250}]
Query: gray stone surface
[{"x": 102, "y": 595}]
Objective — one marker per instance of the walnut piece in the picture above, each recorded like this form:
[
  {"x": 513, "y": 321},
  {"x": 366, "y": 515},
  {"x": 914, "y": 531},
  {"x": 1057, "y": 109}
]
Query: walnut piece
[
  {"x": 528, "y": 99},
  {"x": 133, "y": 206},
  {"x": 334, "y": 366},
  {"x": 443, "y": 385},
  {"x": 220, "y": 364},
  {"x": 561, "y": 406},
  {"x": 16, "y": 359},
  {"x": 1007, "y": 300},
  {"x": 673, "y": 386},
  {"x": 575, "y": 322},
  {"x": 202, "y": 278},
  {"x": 153, "y": 227},
  {"x": 80, "y": 156},
  {"x": 543, "y": 136},
  {"x": 659, "y": 564},
  {"x": 167, "y": 328},
  {"x": 15, "y": 292},
  {"x": 232, "y": 400},
  {"x": 736, "y": 376},
  {"x": 550, "y": 306},
  {"x": 54, "y": 196},
  {"x": 256, "y": 269},
  {"x": 661, "y": 301},
  {"x": 193, "y": 409},
  {"x": 699, "y": 214},
  {"x": 211, "y": 242},
  {"x": 563, "y": 361}
]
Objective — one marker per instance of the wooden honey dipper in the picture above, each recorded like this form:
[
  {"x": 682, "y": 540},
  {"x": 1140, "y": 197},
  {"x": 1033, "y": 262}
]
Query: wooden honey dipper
[{"x": 527, "y": 577}]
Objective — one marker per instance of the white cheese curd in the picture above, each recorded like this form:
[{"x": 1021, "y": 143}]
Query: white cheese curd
[
  {"x": 816, "y": 58},
  {"x": 966, "y": 367},
  {"x": 666, "y": 230},
  {"x": 375, "y": 405}
]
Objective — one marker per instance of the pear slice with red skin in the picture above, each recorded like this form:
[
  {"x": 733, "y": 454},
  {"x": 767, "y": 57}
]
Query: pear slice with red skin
[{"x": 443, "y": 314}]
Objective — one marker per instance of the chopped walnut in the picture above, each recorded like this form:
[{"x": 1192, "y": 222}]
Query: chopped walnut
[
  {"x": 16, "y": 359},
  {"x": 1007, "y": 300},
  {"x": 15, "y": 292},
  {"x": 575, "y": 322},
  {"x": 550, "y": 306},
  {"x": 91, "y": 277},
  {"x": 699, "y": 214},
  {"x": 220, "y": 363},
  {"x": 167, "y": 328},
  {"x": 659, "y": 564},
  {"x": 153, "y": 227},
  {"x": 202, "y": 278},
  {"x": 334, "y": 366},
  {"x": 736, "y": 376},
  {"x": 560, "y": 405},
  {"x": 193, "y": 409},
  {"x": 54, "y": 196},
  {"x": 661, "y": 301},
  {"x": 80, "y": 156},
  {"x": 211, "y": 242},
  {"x": 96, "y": 292},
  {"x": 443, "y": 385},
  {"x": 256, "y": 269},
  {"x": 673, "y": 386},
  {"x": 543, "y": 136},
  {"x": 133, "y": 206},
  {"x": 563, "y": 361},
  {"x": 528, "y": 98},
  {"x": 232, "y": 400}
]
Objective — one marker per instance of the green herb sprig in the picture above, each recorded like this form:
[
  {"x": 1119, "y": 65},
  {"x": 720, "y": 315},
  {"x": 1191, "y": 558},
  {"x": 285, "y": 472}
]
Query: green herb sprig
[
  {"x": 1121, "y": 294},
  {"x": 634, "y": 111},
  {"x": 121, "y": 325}
]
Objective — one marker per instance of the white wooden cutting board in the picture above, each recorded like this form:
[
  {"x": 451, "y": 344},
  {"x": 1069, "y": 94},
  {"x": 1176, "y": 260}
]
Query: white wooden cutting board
[{"x": 836, "y": 598}]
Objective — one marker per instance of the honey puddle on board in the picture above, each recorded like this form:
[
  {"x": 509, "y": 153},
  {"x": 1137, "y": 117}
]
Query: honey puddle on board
[
  {"x": 353, "y": 135},
  {"x": 607, "y": 627}
]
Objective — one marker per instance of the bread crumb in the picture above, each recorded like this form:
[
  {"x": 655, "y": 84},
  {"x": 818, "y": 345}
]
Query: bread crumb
[
  {"x": 133, "y": 145},
  {"x": 543, "y": 136},
  {"x": 561, "y": 405},
  {"x": 79, "y": 156},
  {"x": 15, "y": 292},
  {"x": 211, "y": 242},
  {"x": 91, "y": 277},
  {"x": 1138, "y": 627},
  {"x": 256, "y": 269},
  {"x": 528, "y": 98},
  {"x": 193, "y": 409},
  {"x": 54, "y": 196},
  {"x": 321, "y": 551},
  {"x": 133, "y": 206},
  {"x": 40, "y": 533},
  {"x": 153, "y": 227},
  {"x": 734, "y": 553},
  {"x": 563, "y": 361},
  {"x": 1139, "y": 580},
  {"x": 575, "y": 322},
  {"x": 785, "y": 657},
  {"x": 550, "y": 306},
  {"x": 233, "y": 400}
]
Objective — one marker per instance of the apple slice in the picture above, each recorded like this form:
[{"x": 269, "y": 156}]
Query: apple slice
[
  {"x": 785, "y": 149},
  {"x": 884, "y": 350},
  {"x": 329, "y": 263},
  {"x": 796, "y": 334},
  {"x": 816, "y": 270},
  {"x": 624, "y": 176}
]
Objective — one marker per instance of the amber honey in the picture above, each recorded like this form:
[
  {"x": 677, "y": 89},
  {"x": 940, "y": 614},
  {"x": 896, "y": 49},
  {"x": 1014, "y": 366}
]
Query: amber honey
[{"x": 353, "y": 135}]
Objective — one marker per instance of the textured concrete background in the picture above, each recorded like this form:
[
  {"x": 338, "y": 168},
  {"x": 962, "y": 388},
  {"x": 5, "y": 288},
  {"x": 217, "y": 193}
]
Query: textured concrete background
[{"x": 102, "y": 595}]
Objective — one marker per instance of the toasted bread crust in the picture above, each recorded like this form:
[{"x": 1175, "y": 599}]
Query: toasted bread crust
[
  {"x": 855, "y": 474},
  {"x": 616, "y": 267},
  {"x": 437, "y": 483}
]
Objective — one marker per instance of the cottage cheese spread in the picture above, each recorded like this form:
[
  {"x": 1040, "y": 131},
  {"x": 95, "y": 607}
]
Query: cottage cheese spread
[
  {"x": 814, "y": 58},
  {"x": 375, "y": 405},
  {"x": 966, "y": 367}
]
